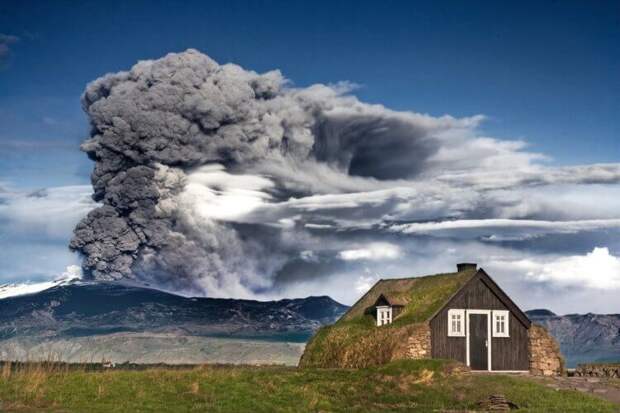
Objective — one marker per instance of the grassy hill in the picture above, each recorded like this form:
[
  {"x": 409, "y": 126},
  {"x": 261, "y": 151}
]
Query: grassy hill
[
  {"x": 403, "y": 386},
  {"x": 355, "y": 341}
]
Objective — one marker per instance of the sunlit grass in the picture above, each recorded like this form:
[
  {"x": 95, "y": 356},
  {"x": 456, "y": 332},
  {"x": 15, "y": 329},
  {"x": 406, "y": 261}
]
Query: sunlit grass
[{"x": 423, "y": 385}]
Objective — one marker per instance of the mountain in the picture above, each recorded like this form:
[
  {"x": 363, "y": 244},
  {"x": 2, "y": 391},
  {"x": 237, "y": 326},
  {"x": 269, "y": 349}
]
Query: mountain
[
  {"x": 582, "y": 337},
  {"x": 130, "y": 323},
  {"x": 71, "y": 275}
]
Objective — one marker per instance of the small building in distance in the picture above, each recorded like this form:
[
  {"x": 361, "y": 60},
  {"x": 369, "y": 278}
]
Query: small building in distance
[{"x": 463, "y": 316}]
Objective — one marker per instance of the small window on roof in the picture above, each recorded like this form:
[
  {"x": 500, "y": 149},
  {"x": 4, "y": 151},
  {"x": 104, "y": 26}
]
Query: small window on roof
[
  {"x": 456, "y": 323},
  {"x": 384, "y": 315}
]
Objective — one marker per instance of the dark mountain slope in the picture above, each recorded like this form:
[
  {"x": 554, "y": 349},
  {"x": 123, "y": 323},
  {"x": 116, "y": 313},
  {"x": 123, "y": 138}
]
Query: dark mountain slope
[{"x": 84, "y": 309}]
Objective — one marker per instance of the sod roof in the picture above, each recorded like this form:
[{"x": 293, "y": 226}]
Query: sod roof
[
  {"x": 422, "y": 296},
  {"x": 393, "y": 300},
  {"x": 354, "y": 341}
]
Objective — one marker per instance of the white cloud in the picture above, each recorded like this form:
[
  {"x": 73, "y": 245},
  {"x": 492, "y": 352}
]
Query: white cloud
[
  {"x": 500, "y": 223},
  {"x": 374, "y": 251},
  {"x": 596, "y": 270},
  {"x": 52, "y": 212},
  {"x": 318, "y": 226},
  {"x": 501, "y": 229},
  {"x": 213, "y": 193},
  {"x": 309, "y": 256},
  {"x": 364, "y": 282},
  {"x": 556, "y": 202},
  {"x": 35, "y": 229}
]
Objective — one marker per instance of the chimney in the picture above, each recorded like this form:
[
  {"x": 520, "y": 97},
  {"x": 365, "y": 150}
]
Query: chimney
[{"x": 464, "y": 266}]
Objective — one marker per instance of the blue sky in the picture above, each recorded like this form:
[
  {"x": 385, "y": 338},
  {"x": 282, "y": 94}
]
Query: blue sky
[{"x": 547, "y": 73}]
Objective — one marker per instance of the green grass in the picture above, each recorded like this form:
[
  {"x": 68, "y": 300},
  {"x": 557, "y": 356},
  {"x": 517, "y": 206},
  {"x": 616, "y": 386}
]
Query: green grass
[
  {"x": 403, "y": 386},
  {"x": 423, "y": 295},
  {"x": 430, "y": 294},
  {"x": 357, "y": 343}
]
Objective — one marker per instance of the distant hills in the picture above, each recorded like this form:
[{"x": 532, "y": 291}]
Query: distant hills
[
  {"x": 85, "y": 321},
  {"x": 582, "y": 337},
  {"x": 80, "y": 321}
]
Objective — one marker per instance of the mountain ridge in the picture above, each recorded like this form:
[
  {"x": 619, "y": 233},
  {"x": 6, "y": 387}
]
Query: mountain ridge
[
  {"x": 582, "y": 338},
  {"x": 85, "y": 321},
  {"x": 75, "y": 319},
  {"x": 64, "y": 310}
]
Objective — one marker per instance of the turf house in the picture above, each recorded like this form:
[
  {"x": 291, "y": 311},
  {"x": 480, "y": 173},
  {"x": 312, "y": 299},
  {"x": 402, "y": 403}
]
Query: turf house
[{"x": 463, "y": 316}]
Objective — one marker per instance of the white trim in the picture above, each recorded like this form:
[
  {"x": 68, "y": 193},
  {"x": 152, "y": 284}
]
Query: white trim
[
  {"x": 511, "y": 371},
  {"x": 506, "y": 315},
  {"x": 384, "y": 309},
  {"x": 502, "y": 371},
  {"x": 461, "y": 314},
  {"x": 489, "y": 336}
]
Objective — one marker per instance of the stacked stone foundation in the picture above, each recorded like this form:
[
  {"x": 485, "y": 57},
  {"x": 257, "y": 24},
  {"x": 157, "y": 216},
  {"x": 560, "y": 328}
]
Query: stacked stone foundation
[
  {"x": 419, "y": 342},
  {"x": 545, "y": 356}
]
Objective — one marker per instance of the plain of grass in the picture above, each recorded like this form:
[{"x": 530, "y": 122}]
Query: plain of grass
[{"x": 403, "y": 386}]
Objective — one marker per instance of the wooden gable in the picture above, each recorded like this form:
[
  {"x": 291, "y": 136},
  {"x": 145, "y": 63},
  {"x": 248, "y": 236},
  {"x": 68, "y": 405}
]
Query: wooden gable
[
  {"x": 481, "y": 293},
  {"x": 483, "y": 277}
]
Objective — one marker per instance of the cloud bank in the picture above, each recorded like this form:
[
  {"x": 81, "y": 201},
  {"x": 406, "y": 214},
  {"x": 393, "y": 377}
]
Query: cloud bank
[
  {"x": 216, "y": 180},
  {"x": 35, "y": 227},
  {"x": 597, "y": 269}
]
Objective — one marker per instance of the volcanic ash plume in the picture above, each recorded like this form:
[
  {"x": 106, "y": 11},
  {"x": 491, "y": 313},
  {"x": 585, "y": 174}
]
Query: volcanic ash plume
[{"x": 187, "y": 151}]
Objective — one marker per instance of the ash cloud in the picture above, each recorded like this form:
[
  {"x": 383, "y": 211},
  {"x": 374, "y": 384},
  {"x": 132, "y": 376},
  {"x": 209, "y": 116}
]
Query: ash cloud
[
  {"x": 216, "y": 180},
  {"x": 155, "y": 124}
]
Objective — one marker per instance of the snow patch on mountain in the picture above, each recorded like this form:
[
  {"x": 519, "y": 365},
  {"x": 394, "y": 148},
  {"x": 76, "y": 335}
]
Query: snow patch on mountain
[{"x": 71, "y": 274}]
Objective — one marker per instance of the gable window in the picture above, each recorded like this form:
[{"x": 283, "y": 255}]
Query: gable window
[
  {"x": 384, "y": 315},
  {"x": 456, "y": 323},
  {"x": 500, "y": 323}
]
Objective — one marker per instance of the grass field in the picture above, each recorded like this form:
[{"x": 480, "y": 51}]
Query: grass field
[{"x": 424, "y": 386}]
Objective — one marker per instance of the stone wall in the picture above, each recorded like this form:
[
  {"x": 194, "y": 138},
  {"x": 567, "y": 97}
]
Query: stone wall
[
  {"x": 419, "y": 342},
  {"x": 598, "y": 370},
  {"x": 545, "y": 356}
]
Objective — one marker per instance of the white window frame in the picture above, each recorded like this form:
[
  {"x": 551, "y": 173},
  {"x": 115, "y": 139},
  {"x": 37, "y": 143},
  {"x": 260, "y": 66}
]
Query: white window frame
[
  {"x": 384, "y": 315},
  {"x": 497, "y": 314},
  {"x": 456, "y": 326}
]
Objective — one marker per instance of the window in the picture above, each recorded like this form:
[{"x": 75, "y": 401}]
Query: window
[
  {"x": 384, "y": 315},
  {"x": 500, "y": 323},
  {"x": 456, "y": 323}
]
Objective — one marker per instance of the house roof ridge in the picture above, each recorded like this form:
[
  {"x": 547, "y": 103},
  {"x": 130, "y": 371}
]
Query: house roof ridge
[
  {"x": 380, "y": 280},
  {"x": 422, "y": 276},
  {"x": 403, "y": 286}
]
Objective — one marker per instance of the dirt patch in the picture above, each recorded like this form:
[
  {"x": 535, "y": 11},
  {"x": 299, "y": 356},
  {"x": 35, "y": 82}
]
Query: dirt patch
[{"x": 604, "y": 388}]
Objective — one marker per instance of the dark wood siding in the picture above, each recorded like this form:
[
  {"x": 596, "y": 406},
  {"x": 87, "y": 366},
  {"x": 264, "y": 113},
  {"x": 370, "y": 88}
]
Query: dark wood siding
[
  {"x": 442, "y": 346},
  {"x": 508, "y": 353},
  {"x": 511, "y": 353}
]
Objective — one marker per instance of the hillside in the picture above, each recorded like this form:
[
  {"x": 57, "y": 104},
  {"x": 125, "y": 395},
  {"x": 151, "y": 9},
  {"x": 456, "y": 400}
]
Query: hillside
[
  {"x": 582, "y": 337},
  {"x": 404, "y": 386},
  {"x": 354, "y": 341},
  {"x": 89, "y": 321}
]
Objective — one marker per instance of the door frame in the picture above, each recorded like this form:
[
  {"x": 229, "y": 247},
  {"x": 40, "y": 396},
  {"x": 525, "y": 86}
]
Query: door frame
[{"x": 489, "y": 336}]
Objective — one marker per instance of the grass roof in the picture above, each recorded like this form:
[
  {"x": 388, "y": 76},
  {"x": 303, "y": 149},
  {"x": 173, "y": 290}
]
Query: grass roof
[
  {"x": 356, "y": 341},
  {"x": 423, "y": 296}
]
